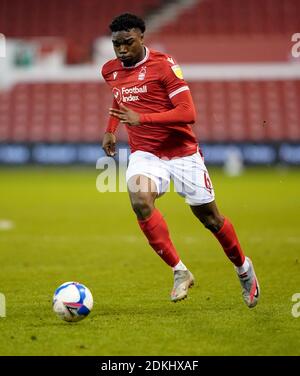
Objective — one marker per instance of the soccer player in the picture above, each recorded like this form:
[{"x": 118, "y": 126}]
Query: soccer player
[{"x": 154, "y": 102}]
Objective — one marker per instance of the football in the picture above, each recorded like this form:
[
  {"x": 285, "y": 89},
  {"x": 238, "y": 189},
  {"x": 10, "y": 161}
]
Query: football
[{"x": 72, "y": 301}]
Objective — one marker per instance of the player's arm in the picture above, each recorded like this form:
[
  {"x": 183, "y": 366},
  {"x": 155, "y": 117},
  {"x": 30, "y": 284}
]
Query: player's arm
[
  {"x": 109, "y": 138},
  {"x": 183, "y": 112}
]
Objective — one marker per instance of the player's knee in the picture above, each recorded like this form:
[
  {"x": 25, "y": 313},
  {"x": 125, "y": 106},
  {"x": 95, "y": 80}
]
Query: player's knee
[
  {"x": 142, "y": 207},
  {"x": 213, "y": 223}
]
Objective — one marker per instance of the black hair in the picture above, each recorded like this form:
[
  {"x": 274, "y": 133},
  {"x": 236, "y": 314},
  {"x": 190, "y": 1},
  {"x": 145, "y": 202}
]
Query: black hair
[{"x": 127, "y": 21}]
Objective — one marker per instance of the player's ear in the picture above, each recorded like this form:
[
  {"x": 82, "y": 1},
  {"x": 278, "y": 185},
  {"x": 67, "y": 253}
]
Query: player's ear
[{"x": 142, "y": 38}]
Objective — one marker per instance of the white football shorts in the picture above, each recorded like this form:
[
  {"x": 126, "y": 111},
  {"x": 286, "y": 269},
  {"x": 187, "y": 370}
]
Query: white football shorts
[{"x": 190, "y": 176}]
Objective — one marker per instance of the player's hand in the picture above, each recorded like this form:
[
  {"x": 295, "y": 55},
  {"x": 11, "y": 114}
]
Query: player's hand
[
  {"x": 125, "y": 115},
  {"x": 109, "y": 144}
]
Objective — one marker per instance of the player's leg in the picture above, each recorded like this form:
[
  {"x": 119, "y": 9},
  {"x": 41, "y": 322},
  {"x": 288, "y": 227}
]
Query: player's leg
[
  {"x": 223, "y": 230},
  {"x": 192, "y": 181},
  {"x": 150, "y": 219},
  {"x": 148, "y": 178},
  {"x": 208, "y": 214},
  {"x": 143, "y": 193}
]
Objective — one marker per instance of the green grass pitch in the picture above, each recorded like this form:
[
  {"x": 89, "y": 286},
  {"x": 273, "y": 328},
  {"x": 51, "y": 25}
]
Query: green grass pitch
[{"x": 64, "y": 229}]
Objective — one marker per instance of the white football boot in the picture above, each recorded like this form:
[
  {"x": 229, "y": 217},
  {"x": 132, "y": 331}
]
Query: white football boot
[
  {"x": 183, "y": 280},
  {"x": 250, "y": 286}
]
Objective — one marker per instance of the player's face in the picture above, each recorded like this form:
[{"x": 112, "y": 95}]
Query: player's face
[{"x": 128, "y": 46}]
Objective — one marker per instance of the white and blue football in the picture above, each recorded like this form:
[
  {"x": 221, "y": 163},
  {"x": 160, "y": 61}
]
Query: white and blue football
[{"x": 72, "y": 301}]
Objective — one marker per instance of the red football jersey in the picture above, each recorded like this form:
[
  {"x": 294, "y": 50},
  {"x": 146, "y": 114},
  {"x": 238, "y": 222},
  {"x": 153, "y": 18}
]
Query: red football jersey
[{"x": 148, "y": 87}]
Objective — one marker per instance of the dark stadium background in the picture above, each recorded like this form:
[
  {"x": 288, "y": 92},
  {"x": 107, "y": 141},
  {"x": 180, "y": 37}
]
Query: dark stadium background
[
  {"x": 236, "y": 55},
  {"x": 241, "y": 59}
]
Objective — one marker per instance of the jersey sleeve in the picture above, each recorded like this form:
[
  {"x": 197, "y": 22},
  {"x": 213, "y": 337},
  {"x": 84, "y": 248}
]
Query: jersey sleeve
[
  {"x": 102, "y": 72},
  {"x": 113, "y": 122},
  {"x": 182, "y": 113},
  {"x": 172, "y": 78}
]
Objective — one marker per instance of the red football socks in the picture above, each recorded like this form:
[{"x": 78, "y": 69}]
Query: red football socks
[
  {"x": 229, "y": 241},
  {"x": 157, "y": 233}
]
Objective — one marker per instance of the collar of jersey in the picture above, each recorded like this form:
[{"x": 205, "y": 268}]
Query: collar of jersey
[{"x": 140, "y": 62}]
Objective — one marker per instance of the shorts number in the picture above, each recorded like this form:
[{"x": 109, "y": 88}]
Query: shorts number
[{"x": 207, "y": 181}]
